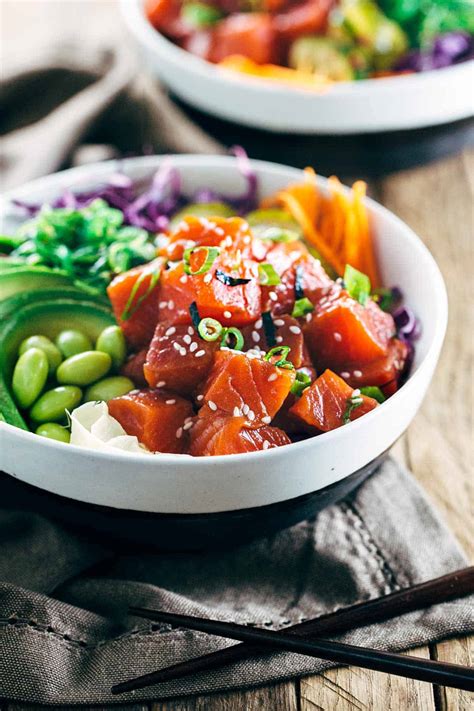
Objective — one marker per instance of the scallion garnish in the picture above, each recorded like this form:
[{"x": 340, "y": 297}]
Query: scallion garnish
[
  {"x": 281, "y": 362},
  {"x": 230, "y": 280},
  {"x": 302, "y": 381},
  {"x": 386, "y": 298},
  {"x": 209, "y": 329},
  {"x": 194, "y": 313},
  {"x": 234, "y": 333},
  {"x": 374, "y": 392},
  {"x": 269, "y": 329},
  {"x": 199, "y": 14},
  {"x": 353, "y": 402},
  {"x": 130, "y": 306},
  {"x": 210, "y": 258},
  {"x": 275, "y": 234},
  {"x": 357, "y": 284},
  {"x": 267, "y": 275},
  {"x": 299, "y": 290},
  {"x": 302, "y": 307}
]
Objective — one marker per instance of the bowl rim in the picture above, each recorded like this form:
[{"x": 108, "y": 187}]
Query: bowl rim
[
  {"x": 95, "y": 171},
  {"x": 140, "y": 26}
]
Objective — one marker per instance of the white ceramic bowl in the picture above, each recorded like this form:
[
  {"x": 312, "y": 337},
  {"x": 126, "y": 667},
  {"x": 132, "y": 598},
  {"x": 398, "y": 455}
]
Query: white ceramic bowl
[
  {"x": 172, "y": 484},
  {"x": 411, "y": 101}
]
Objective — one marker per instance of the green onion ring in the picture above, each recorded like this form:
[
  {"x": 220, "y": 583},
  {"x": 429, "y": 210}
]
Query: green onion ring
[
  {"x": 239, "y": 339},
  {"x": 209, "y": 329},
  {"x": 211, "y": 255}
]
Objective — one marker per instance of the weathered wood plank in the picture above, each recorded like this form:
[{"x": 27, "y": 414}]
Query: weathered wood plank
[
  {"x": 456, "y": 651},
  {"x": 359, "y": 689},
  {"x": 120, "y": 707},
  {"x": 281, "y": 697}
]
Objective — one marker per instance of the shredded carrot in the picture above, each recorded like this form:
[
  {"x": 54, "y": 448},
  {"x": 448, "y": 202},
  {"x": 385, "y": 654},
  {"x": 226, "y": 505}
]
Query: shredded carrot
[
  {"x": 336, "y": 225},
  {"x": 275, "y": 73}
]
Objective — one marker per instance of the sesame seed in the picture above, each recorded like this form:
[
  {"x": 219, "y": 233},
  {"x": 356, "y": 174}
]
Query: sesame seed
[
  {"x": 212, "y": 405},
  {"x": 272, "y": 377},
  {"x": 279, "y": 322},
  {"x": 227, "y": 314},
  {"x": 170, "y": 331},
  {"x": 183, "y": 279},
  {"x": 187, "y": 426},
  {"x": 337, "y": 337},
  {"x": 266, "y": 444},
  {"x": 295, "y": 329},
  {"x": 161, "y": 384},
  {"x": 170, "y": 402},
  {"x": 259, "y": 323},
  {"x": 245, "y": 409},
  {"x": 308, "y": 318},
  {"x": 251, "y": 415},
  {"x": 246, "y": 240},
  {"x": 207, "y": 278},
  {"x": 176, "y": 346},
  {"x": 266, "y": 420},
  {"x": 345, "y": 374},
  {"x": 357, "y": 374},
  {"x": 187, "y": 338},
  {"x": 163, "y": 304},
  {"x": 188, "y": 419},
  {"x": 220, "y": 231},
  {"x": 272, "y": 295},
  {"x": 193, "y": 346},
  {"x": 356, "y": 392},
  {"x": 182, "y": 351},
  {"x": 279, "y": 339},
  {"x": 236, "y": 412},
  {"x": 199, "y": 398},
  {"x": 179, "y": 432},
  {"x": 200, "y": 353},
  {"x": 191, "y": 330},
  {"x": 255, "y": 336},
  {"x": 171, "y": 304}
]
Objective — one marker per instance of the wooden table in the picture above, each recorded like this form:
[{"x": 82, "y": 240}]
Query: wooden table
[{"x": 436, "y": 201}]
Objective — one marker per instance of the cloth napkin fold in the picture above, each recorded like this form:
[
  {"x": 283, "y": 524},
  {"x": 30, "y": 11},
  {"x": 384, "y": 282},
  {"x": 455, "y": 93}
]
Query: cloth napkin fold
[{"x": 65, "y": 637}]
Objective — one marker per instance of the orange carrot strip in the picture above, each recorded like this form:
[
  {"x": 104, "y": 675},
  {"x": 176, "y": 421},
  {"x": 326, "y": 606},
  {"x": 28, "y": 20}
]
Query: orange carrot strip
[{"x": 366, "y": 243}]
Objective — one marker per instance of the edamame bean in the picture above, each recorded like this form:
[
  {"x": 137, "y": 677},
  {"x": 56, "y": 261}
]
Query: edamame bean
[
  {"x": 71, "y": 342},
  {"x": 29, "y": 376},
  {"x": 112, "y": 341},
  {"x": 52, "y": 430},
  {"x": 84, "y": 368},
  {"x": 52, "y": 352},
  {"x": 52, "y": 405},
  {"x": 109, "y": 388}
]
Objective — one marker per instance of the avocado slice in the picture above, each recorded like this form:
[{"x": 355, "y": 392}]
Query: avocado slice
[
  {"x": 47, "y": 318},
  {"x": 16, "y": 302},
  {"x": 27, "y": 278},
  {"x": 202, "y": 209},
  {"x": 321, "y": 55}
]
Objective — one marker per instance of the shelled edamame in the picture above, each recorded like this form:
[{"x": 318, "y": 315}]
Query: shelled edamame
[{"x": 49, "y": 377}]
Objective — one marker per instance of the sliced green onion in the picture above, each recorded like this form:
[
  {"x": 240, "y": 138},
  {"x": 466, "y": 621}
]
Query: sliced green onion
[
  {"x": 211, "y": 255},
  {"x": 194, "y": 313},
  {"x": 302, "y": 307},
  {"x": 130, "y": 306},
  {"x": 269, "y": 329},
  {"x": 357, "y": 284},
  {"x": 199, "y": 14},
  {"x": 283, "y": 352},
  {"x": 275, "y": 234},
  {"x": 236, "y": 334},
  {"x": 209, "y": 329},
  {"x": 374, "y": 392},
  {"x": 302, "y": 381},
  {"x": 353, "y": 402},
  {"x": 267, "y": 275}
]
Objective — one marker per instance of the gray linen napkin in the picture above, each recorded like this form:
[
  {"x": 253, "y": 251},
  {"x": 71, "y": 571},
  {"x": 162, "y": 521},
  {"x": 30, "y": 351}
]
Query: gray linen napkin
[{"x": 65, "y": 637}]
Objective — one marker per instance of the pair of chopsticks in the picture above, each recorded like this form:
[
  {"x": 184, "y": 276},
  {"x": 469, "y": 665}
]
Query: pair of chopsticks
[{"x": 296, "y": 638}]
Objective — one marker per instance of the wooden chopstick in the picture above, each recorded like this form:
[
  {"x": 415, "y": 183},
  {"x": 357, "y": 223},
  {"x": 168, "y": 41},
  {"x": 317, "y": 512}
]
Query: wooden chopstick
[
  {"x": 389, "y": 662},
  {"x": 448, "y": 587}
]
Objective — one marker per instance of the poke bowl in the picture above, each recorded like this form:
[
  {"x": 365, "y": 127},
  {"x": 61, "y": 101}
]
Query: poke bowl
[
  {"x": 241, "y": 90},
  {"x": 105, "y": 477}
]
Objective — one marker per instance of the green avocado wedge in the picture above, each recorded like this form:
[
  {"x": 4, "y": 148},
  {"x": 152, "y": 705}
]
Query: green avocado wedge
[
  {"x": 27, "y": 278},
  {"x": 14, "y": 303},
  {"x": 47, "y": 317}
]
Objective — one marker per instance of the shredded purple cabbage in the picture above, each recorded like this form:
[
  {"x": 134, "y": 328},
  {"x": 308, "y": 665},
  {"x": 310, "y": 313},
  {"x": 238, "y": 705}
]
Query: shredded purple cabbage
[
  {"x": 408, "y": 326},
  {"x": 152, "y": 208},
  {"x": 446, "y": 50}
]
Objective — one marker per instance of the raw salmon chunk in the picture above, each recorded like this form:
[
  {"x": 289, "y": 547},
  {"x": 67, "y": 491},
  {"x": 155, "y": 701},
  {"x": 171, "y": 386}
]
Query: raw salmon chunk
[
  {"x": 341, "y": 331},
  {"x": 178, "y": 358},
  {"x": 251, "y": 387},
  {"x": 140, "y": 325},
  {"x": 155, "y": 417},
  {"x": 384, "y": 372},
  {"x": 133, "y": 368},
  {"x": 326, "y": 402},
  {"x": 221, "y": 434},
  {"x": 287, "y": 332}
]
